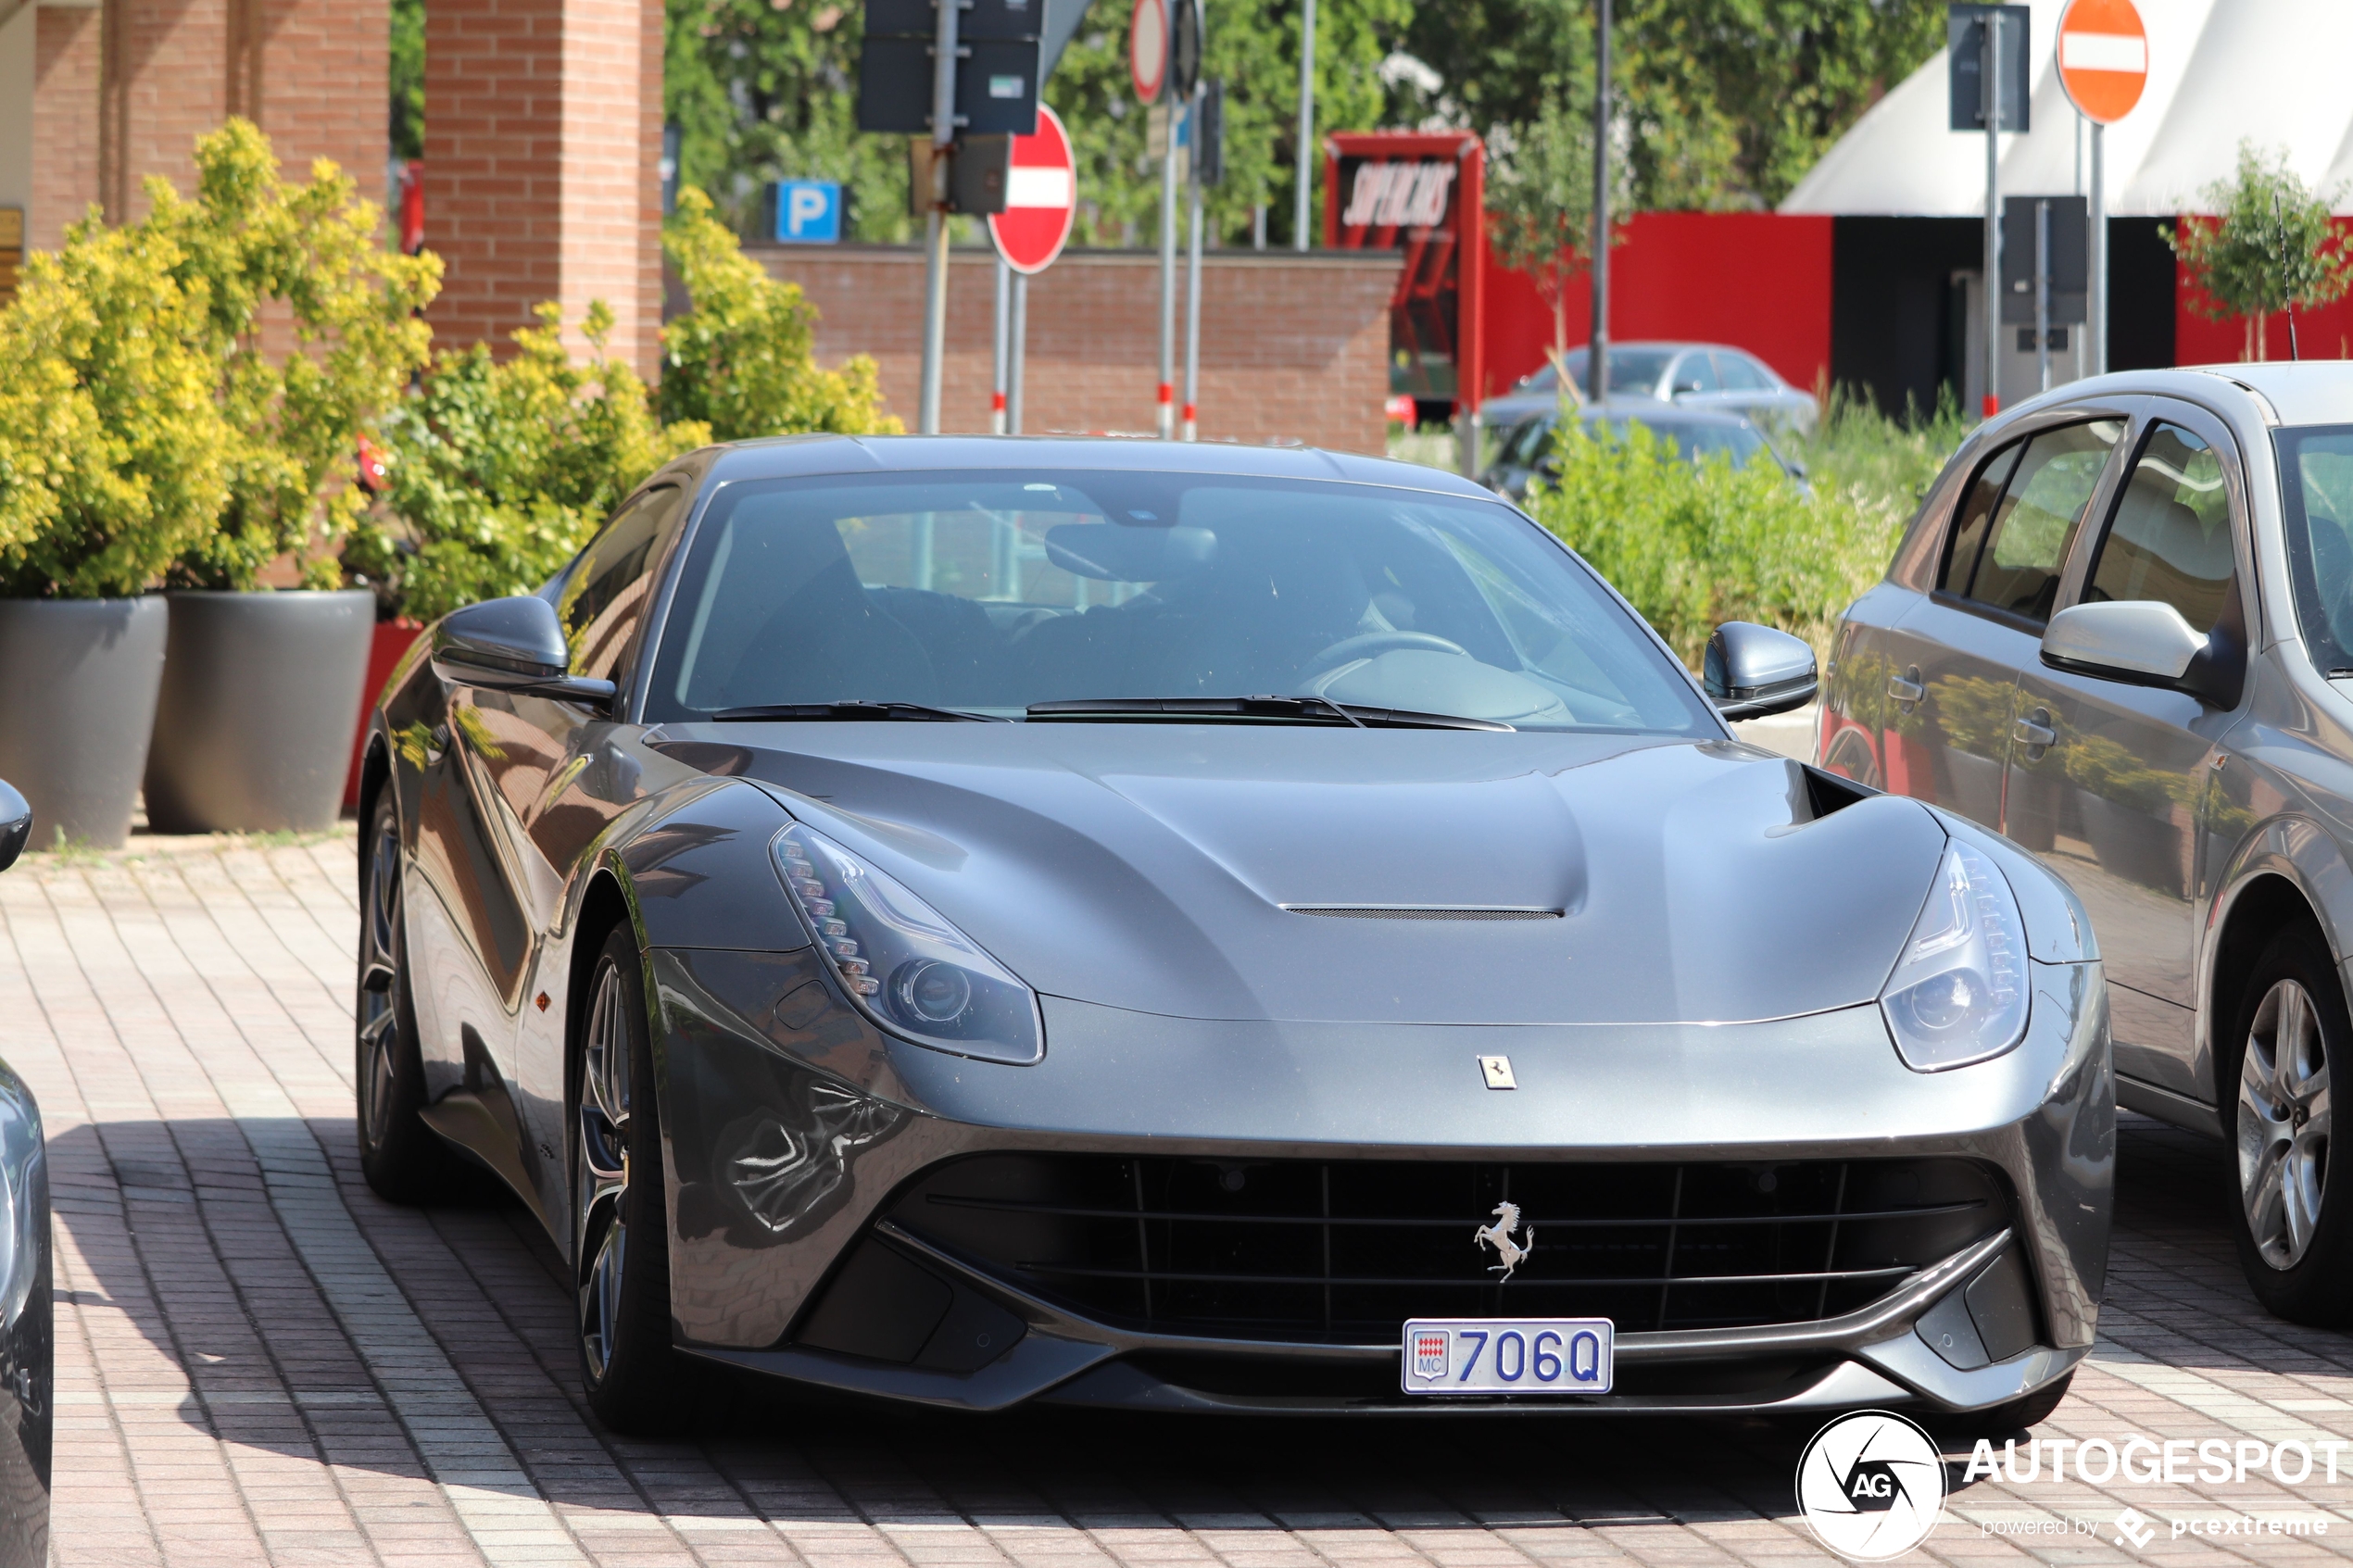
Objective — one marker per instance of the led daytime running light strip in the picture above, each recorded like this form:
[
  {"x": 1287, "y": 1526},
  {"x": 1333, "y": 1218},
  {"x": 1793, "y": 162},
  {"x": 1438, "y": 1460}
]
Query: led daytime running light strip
[{"x": 832, "y": 933}]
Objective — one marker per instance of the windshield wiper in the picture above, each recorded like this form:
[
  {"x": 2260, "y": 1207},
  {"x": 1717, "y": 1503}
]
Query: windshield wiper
[
  {"x": 867, "y": 711},
  {"x": 1251, "y": 710}
]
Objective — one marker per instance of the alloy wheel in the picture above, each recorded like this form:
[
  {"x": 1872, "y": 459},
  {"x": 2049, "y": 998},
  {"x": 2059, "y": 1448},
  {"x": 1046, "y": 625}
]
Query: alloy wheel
[
  {"x": 604, "y": 1168},
  {"x": 379, "y": 1009},
  {"x": 2283, "y": 1124}
]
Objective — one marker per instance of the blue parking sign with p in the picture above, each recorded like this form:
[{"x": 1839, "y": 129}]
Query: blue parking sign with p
[{"x": 808, "y": 212}]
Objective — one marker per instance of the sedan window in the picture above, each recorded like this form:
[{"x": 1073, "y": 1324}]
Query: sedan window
[
  {"x": 2316, "y": 477},
  {"x": 2036, "y": 522},
  {"x": 1741, "y": 374},
  {"x": 1696, "y": 374},
  {"x": 2171, "y": 539}
]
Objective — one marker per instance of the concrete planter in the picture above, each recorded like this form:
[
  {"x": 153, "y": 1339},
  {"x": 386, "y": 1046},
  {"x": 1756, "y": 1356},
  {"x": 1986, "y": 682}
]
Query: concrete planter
[
  {"x": 77, "y": 683},
  {"x": 260, "y": 695}
]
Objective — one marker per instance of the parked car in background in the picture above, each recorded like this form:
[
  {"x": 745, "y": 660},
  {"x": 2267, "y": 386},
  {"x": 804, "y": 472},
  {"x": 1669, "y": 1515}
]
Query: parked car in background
[
  {"x": 27, "y": 1316},
  {"x": 2121, "y": 631},
  {"x": 1200, "y": 928},
  {"x": 1525, "y": 453},
  {"x": 1694, "y": 375}
]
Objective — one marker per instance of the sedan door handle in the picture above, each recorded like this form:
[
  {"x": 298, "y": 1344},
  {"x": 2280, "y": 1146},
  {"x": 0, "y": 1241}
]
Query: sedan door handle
[
  {"x": 1906, "y": 688},
  {"x": 2027, "y": 733}
]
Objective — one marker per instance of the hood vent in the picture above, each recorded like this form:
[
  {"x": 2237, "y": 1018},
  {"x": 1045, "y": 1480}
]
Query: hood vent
[{"x": 1404, "y": 912}]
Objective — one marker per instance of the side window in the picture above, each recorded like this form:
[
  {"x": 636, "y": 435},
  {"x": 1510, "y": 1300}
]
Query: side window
[
  {"x": 1741, "y": 374},
  {"x": 2033, "y": 526},
  {"x": 2170, "y": 539},
  {"x": 1695, "y": 374},
  {"x": 604, "y": 595},
  {"x": 1976, "y": 512}
]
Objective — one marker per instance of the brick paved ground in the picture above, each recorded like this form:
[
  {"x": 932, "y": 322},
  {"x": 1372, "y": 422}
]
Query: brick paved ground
[{"x": 257, "y": 1362}]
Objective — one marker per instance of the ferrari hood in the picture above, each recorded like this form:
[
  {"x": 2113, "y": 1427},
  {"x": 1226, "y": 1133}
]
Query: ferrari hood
[{"x": 1314, "y": 874}]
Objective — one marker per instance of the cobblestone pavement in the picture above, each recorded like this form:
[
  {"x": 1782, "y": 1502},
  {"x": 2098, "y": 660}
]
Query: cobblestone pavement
[{"x": 260, "y": 1363}]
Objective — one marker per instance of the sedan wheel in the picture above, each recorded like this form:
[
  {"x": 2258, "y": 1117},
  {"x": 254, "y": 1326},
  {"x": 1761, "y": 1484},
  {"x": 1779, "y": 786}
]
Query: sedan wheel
[
  {"x": 2283, "y": 1124},
  {"x": 404, "y": 1160},
  {"x": 604, "y": 1170},
  {"x": 2292, "y": 1237}
]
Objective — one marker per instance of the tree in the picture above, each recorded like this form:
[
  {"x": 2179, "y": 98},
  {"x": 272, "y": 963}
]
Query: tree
[
  {"x": 2271, "y": 246},
  {"x": 1540, "y": 202}
]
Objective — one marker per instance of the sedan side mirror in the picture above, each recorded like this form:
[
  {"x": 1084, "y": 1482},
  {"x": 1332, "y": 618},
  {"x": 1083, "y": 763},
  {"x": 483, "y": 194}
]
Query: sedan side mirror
[
  {"x": 15, "y": 824},
  {"x": 513, "y": 645},
  {"x": 1752, "y": 670},
  {"x": 2143, "y": 643}
]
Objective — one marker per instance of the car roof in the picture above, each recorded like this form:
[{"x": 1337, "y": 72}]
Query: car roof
[
  {"x": 789, "y": 457},
  {"x": 1652, "y": 411},
  {"x": 2311, "y": 391}
]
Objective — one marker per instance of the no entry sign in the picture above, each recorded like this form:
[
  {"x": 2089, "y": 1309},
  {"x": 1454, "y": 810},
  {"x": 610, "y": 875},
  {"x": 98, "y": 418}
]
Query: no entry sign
[
  {"x": 1147, "y": 49},
  {"x": 2103, "y": 58},
  {"x": 1042, "y": 197}
]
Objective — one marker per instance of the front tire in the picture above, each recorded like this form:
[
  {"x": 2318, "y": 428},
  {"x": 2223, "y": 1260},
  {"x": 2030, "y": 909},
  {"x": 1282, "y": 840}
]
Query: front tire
[
  {"x": 622, "y": 1234},
  {"x": 404, "y": 1161},
  {"x": 2293, "y": 1219}
]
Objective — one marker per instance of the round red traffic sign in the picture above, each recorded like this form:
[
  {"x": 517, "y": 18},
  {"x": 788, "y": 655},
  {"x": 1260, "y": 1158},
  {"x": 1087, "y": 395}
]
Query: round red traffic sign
[
  {"x": 1042, "y": 197},
  {"x": 1147, "y": 49},
  {"x": 2103, "y": 58}
]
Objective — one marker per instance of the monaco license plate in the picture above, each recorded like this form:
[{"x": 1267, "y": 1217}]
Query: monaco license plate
[{"x": 1508, "y": 1356}]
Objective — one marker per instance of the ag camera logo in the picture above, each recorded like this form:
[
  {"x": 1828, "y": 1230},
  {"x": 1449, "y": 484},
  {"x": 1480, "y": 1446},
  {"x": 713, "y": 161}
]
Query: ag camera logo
[{"x": 1871, "y": 1485}]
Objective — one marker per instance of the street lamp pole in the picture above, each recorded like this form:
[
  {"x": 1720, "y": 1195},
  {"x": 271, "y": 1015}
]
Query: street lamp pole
[
  {"x": 1597, "y": 350},
  {"x": 943, "y": 134},
  {"x": 1306, "y": 182},
  {"x": 1991, "y": 76}
]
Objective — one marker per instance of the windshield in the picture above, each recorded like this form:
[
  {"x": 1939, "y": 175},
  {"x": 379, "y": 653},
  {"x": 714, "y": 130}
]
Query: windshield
[
  {"x": 1531, "y": 442},
  {"x": 2316, "y": 480},
  {"x": 1630, "y": 369},
  {"x": 989, "y": 591}
]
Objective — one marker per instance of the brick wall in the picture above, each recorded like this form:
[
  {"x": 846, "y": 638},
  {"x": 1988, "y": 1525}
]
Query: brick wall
[
  {"x": 65, "y": 123},
  {"x": 542, "y": 145},
  {"x": 1293, "y": 348}
]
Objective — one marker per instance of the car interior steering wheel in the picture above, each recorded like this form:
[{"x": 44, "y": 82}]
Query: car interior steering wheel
[{"x": 1367, "y": 645}]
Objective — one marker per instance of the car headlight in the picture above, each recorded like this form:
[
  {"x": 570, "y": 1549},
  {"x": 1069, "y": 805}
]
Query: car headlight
[
  {"x": 906, "y": 967},
  {"x": 1958, "y": 993}
]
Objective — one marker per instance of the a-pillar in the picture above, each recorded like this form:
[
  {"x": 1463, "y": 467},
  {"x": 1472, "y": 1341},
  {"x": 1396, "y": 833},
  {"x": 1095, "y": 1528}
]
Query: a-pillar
[{"x": 543, "y": 142}]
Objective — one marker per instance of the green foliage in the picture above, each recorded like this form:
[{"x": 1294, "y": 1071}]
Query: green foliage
[
  {"x": 408, "y": 71},
  {"x": 1691, "y": 544},
  {"x": 1722, "y": 106},
  {"x": 1540, "y": 202},
  {"x": 1890, "y": 461},
  {"x": 498, "y": 470},
  {"x": 766, "y": 89},
  {"x": 143, "y": 432},
  {"x": 740, "y": 361},
  {"x": 2271, "y": 246}
]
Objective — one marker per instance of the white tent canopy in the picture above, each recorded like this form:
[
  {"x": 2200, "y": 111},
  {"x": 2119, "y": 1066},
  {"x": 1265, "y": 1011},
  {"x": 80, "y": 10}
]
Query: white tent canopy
[{"x": 2276, "y": 72}]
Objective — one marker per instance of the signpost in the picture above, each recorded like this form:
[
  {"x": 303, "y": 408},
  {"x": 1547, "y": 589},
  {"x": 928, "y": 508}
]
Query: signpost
[
  {"x": 1986, "y": 48},
  {"x": 2104, "y": 66},
  {"x": 1041, "y": 203}
]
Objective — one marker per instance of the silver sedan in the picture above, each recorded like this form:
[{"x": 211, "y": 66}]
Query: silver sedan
[
  {"x": 2121, "y": 632},
  {"x": 1712, "y": 377}
]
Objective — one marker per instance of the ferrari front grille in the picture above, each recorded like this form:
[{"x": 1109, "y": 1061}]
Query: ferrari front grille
[{"x": 1346, "y": 1250}]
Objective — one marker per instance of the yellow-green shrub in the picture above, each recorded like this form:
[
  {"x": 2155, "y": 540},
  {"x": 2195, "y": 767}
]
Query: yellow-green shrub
[{"x": 1691, "y": 544}]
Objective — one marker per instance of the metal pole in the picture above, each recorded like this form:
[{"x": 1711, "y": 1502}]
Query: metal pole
[
  {"x": 1305, "y": 183},
  {"x": 2097, "y": 325},
  {"x": 1991, "y": 75},
  {"x": 943, "y": 133},
  {"x": 997, "y": 379},
  {"x": 2043, "y": 293},
  {"x": 1020, "y": 353},
  {"x": 1165, "y": 414},
  {"x": 1192, "y": 299},
  {"x": 1597, "y": 350}
]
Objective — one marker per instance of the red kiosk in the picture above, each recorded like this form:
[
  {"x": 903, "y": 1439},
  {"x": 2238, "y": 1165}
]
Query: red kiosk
[{"x": 1425, "y": 193}]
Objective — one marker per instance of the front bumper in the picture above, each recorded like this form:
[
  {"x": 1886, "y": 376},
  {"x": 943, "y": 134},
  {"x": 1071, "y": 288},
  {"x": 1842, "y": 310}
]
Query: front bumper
[{"x": 790, "y": 1125}]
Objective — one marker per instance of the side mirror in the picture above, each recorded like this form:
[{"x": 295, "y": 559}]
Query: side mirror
[
  {"x": 1751, "y": 670},
  {"x": 2147, "y": 643},
  {"x": 514, "y": 645},
  {"x": 16, "y": 825}
]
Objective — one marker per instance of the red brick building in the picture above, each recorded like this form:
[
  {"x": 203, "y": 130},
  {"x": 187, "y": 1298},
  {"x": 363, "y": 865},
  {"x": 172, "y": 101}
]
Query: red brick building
[{"x": 544, "y": 141}]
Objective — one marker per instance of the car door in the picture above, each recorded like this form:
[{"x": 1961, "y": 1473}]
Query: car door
[
  {"x": 2108, "y": 778},
  {"x": 1952, "y": 661},
  {"x": 1694, "y": 381}
]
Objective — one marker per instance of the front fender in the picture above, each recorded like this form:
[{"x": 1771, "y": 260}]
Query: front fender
[{"x": 2305, "y": 854}]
